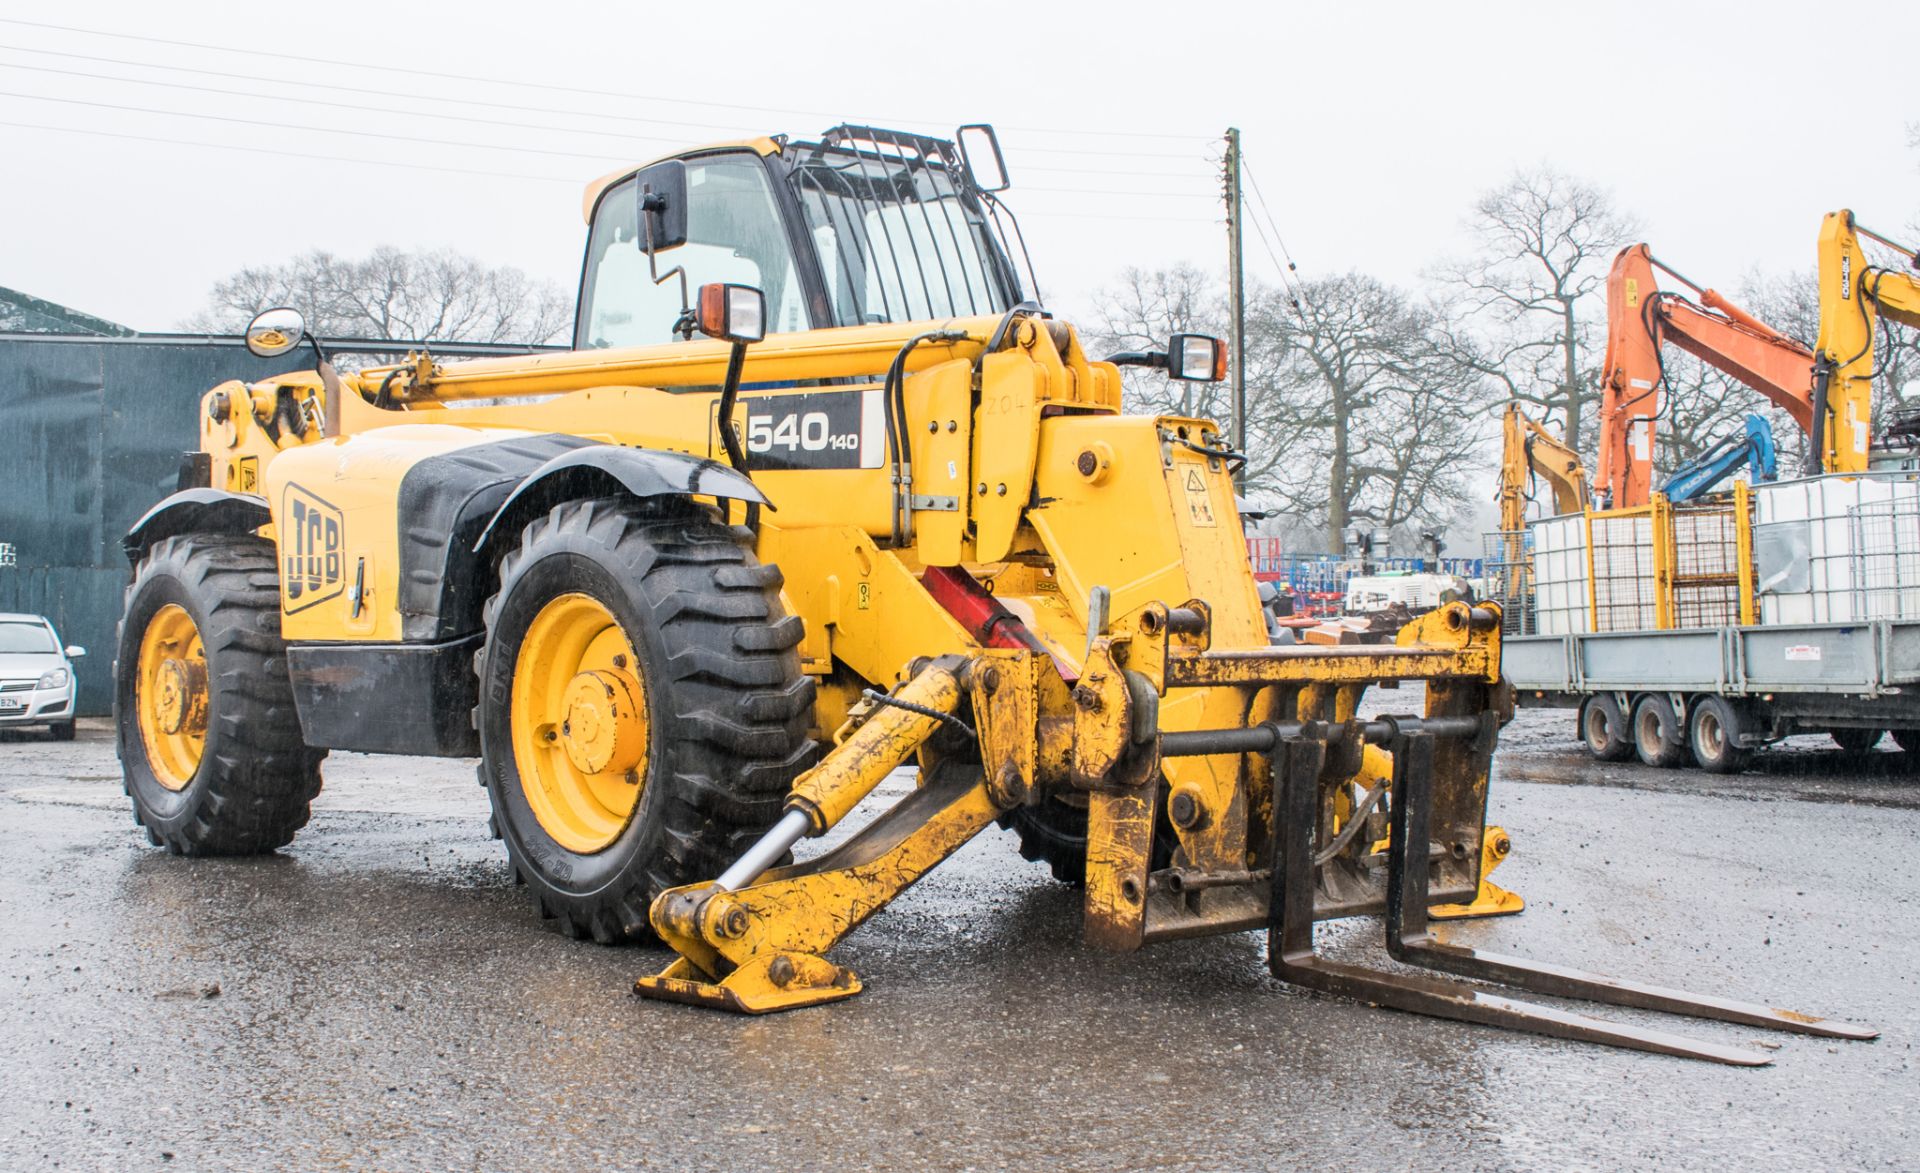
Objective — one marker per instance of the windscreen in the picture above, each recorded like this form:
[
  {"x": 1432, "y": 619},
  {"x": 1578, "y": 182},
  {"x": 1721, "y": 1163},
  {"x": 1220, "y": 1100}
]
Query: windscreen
[
  {"x": 26, "y": 637},
  {"x": 900, "y": 234}
]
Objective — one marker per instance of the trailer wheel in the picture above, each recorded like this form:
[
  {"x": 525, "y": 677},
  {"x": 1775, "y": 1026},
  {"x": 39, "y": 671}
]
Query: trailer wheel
[
  {"x": 642, "y": 709},
  {"x": 1604, "y": 729},
  {"x": 1713, "y": 732},
  {"x": 1856, "y": 743},
  {"x": 1656, "y": 732}
]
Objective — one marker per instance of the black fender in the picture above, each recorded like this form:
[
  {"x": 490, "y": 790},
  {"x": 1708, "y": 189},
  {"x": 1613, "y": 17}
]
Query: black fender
[
  {"x": 195, "y": 511},
  {"x": 610, "y": 468}
]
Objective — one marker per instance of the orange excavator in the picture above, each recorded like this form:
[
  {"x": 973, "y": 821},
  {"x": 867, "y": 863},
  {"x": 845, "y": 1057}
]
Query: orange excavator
[{"x": 1641, "y": 318}]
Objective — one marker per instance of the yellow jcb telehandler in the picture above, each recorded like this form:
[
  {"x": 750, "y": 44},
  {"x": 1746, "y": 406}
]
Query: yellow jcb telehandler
[{"x": 691, "y": 604}]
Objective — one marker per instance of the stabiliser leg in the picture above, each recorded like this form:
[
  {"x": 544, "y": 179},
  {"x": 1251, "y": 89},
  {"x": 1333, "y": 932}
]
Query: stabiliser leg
[
  {"x": 1291, "y": 957},
  {"x": 1409, "y": 941}
]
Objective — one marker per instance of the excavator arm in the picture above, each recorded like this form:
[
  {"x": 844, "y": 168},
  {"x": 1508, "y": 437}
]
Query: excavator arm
[
  {"x": 1641, "y": 318},
  {"x": 1530, "y": 450},
  {"x": 1854, "y": 292}
]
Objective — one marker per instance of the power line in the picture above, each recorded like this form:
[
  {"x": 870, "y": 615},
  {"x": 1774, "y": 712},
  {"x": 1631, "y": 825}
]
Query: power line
[
  {"x": 498, "y": 81},
  {"x": 1291, "y": 271},
  {"x": 390, "y": 110},
  {"x": 398, "y": 138},
  {"x": 146, "y": 138},
  {"x": 425, "y": 167}
]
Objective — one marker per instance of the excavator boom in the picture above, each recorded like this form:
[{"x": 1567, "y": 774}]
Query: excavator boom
[
  {"x": 1641, "y": 318},
  {"x": 1530, "y": 450},
  {"x": 1854, "y": 292}
]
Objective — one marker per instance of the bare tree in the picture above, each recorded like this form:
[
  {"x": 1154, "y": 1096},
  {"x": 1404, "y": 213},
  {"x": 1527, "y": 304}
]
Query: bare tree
[
  {"x": 1390, "y": 426},
  {"x": 1141, "y": 309},
  {"x": 436, "y": 296},
  {"x": 1529, "y": 301}
]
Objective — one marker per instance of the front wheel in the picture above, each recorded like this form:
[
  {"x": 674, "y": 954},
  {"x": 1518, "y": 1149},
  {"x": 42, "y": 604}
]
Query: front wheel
[
  {"x": 1856, "y": 743},
  {"x": 61, "y": 730},
  {"x": 642, "y": 710},
  {"x": 210, "y": 744}
]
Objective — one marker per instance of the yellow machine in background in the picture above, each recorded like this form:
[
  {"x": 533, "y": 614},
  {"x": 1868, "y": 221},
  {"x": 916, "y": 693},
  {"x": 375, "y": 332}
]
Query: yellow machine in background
[
  {"x": 1529, "y": 450},
  {"x": 692, "y": 605},
  {"x": 1854, "y": 295}
]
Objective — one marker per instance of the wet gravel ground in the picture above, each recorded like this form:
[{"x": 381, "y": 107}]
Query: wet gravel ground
[{"x": 379, "y": 996}]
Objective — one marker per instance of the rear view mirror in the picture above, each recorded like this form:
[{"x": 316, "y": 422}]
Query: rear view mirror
[
  {"x": 74, "y": 651},
  {"x": 274, "y": 332},
  {"x": 661, "y": 197},
  {"x": 980, "y": 151},
  {"x": 732, "y": 313},
  {"x": 1196, "y": 358}
]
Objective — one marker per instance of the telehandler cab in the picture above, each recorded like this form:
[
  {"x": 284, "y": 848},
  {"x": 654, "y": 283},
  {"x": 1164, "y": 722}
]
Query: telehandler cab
[{"x": 695, "y": 601}]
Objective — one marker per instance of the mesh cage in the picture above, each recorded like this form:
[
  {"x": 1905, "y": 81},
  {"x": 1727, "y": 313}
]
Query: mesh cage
[
  {"x": 1624, "y": 581},
  {"x": 1510, "y": 582},
  {"x": 1886, "y": 559},
  {"x": 1706, "y": 565}
]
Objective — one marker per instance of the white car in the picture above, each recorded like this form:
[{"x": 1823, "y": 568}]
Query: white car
[{"x": 36, "y": 676}]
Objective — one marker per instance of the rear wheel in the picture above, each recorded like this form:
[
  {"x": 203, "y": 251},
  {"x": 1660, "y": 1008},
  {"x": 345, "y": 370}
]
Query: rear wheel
[
  {"x": 642, "y": 710},
  {"x": 1604, "y": 728},
  {"x": 1656, "y": 732},
  {"x": 1856, "y": 743},
  {"x": 210, "y": 743},
  {"x": 1713, "y": 731}
]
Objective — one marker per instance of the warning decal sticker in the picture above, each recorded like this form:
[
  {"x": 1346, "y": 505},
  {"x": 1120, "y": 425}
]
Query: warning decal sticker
[{"x": 1199, "y": 501}]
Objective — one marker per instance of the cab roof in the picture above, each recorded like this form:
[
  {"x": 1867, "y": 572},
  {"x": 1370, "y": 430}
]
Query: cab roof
[{"x": 763, "y": 146}]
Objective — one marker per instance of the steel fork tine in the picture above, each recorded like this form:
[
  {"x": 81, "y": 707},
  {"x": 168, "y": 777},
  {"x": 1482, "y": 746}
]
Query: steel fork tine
[
  {"x": 1291, "y": 958},
  {"x": 1410, "y": 940}
]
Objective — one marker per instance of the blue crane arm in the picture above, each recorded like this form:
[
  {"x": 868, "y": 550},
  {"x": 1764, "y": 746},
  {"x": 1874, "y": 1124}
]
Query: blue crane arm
[{"x": 1751, "y": 447}]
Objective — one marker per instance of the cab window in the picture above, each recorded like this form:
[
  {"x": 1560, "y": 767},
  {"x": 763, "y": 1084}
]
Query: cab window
[{"x": 734, "y": 234}]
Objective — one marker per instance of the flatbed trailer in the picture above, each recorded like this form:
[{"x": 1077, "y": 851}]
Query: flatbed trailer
[{"x": 1681, "y": 634}]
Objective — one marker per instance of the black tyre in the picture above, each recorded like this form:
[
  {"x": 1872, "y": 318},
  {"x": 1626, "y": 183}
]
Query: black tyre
[
  {"x": 1656, "y": 732},
  {"x": 1907, "y": 739},
  {"x": 1714, "y": 729},
  {"x": 1604, "y": 728},
  {"x": 1856, "y": 743},
  {"x": 61, "y": 730},
  {"x": 210, "y": 743},
  {"x": 642, "y": 710},
  {"x": 1054, "y": 832}
]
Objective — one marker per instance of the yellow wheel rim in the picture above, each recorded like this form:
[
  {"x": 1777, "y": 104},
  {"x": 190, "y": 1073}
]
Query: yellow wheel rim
[
  {"x": 170, "y": 695},
  {"x": 579, "y": 723}
]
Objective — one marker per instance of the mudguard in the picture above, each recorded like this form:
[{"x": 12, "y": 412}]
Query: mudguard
[
  {"x": 195, "y": 511},
  {"x": 599, "y": 468}
]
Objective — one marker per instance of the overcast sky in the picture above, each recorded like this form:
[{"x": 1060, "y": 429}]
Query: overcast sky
[{"x": 1728, "y": 130}]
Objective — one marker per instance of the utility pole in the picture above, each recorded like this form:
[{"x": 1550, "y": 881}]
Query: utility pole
[{"x": 1236, "y": 303}]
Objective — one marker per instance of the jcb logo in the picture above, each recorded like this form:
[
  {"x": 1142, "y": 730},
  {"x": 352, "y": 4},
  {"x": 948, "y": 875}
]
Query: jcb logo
[{"x": 310, "y": 554}]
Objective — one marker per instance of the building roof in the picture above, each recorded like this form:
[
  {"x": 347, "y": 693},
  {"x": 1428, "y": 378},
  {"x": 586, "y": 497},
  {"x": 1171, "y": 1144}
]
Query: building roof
[{"x": 20, "y": 313}]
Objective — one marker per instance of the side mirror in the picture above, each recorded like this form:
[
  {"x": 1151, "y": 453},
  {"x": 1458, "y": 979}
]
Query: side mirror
[
  {"x": 661, "y": 199},
  {"x": 274, "y": 332},
  {"x": 74, "y": 651},
  {"x": 980, "y": 151},
  {"x": 732, "y": 313},
  {"x": 1196, "y": 358}
]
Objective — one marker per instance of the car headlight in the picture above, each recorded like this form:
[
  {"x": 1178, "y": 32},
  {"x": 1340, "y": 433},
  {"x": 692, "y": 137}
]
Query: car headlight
[{"x": 54, "y": 679}]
